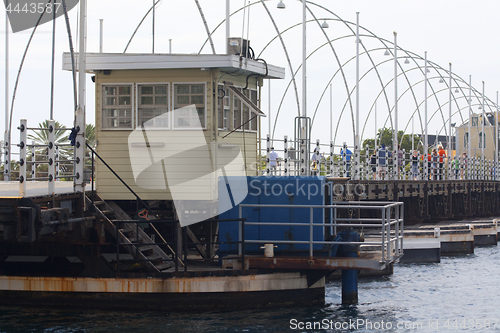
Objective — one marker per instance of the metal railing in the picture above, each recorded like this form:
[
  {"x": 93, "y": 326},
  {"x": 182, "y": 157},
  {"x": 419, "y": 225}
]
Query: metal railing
[
  {"x": 178, "y": 245},
  {"x": 338, "y": 161},
  {"x": 51, "y": 159},
  {"x": 383, "y": 220}
]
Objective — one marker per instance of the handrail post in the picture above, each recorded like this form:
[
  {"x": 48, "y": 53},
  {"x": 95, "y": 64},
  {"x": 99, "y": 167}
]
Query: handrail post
[
  {"x": 268, "y": 155},
  {"x": 117, "y": 237},
  {"x": 396, "y": 228},
  {"x": 92, "y": 178},
  {"x": 33, "y": 159},
  {"x": 311, "y": 232},
  {"x": 243, "y": 245},
  {"x": 401, "y": 214},
  {"x": 51, "y": 167},
  {"x": 22, "y": 158},
  {"x": 240, "y": 233},
  {"x": 176, "y": 247},
  {"x": 383, "y": 234},
  {"x": 331, "y": 158},
  {"x": 286, "y": 160},
  {"x": 184, "y": 241},
  {"x": 388, "y": 230}
]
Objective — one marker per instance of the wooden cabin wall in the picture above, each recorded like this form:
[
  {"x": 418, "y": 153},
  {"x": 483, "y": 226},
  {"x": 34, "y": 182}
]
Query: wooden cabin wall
[{"x": 112, "y": 144}]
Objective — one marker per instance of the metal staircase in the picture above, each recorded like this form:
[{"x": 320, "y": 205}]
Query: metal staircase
[{"x": 131, "y": 237}]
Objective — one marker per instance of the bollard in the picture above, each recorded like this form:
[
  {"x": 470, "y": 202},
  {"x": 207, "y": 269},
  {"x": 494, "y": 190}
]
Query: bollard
[{"x": 349, "y": 276}]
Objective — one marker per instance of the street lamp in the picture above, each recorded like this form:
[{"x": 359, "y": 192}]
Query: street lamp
[
  {"x": 281, "y": 5},
  {"x": 325, "y": 25}
]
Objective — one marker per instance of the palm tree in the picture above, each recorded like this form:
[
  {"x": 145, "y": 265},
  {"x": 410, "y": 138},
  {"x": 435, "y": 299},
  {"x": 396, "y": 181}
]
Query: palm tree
[{"x": 41, "y": 137}]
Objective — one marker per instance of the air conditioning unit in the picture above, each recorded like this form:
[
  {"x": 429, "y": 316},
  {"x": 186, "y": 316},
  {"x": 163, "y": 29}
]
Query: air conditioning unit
[{"x": 234, "y": 46}]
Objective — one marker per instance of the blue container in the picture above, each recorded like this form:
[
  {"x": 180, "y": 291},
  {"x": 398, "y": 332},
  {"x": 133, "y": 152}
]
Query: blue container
[{"x": 274, "y": 190}]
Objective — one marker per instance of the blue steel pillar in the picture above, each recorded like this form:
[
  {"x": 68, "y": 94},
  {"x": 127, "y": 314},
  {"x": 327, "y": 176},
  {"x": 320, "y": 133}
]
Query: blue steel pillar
[{"x": 349, "y": 276}]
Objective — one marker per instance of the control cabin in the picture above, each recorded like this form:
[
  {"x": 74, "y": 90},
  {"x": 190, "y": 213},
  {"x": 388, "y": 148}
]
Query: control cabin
[{"x": 172, "y": 98}]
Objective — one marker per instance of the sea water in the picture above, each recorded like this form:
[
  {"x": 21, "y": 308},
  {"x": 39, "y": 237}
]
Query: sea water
[{"x": 459, "y": 294}]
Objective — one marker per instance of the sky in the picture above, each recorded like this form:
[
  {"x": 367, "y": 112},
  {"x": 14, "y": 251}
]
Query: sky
[{"x": 456, "y": 31}]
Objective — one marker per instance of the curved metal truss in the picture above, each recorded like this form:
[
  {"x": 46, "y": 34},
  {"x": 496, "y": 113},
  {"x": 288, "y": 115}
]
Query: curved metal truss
[{"x": 410, "y": 67}]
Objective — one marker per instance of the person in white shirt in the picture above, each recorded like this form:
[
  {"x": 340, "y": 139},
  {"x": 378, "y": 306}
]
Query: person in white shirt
[
  {"x": 273, "y": 160},
  {"x": 315, "y": 162}
]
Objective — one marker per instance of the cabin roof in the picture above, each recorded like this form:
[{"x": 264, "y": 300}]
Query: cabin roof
[{"x": 225, "y": 62}]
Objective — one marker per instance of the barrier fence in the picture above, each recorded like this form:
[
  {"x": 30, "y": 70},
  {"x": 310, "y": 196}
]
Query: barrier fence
[{"x": 374, "y": 163}]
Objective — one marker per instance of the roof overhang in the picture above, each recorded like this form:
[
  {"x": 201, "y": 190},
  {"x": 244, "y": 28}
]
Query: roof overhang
[{"x": 127, "y": 61}]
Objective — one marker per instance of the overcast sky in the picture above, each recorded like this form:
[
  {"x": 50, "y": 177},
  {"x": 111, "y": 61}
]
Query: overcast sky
[{"x": 457, "y": 31}]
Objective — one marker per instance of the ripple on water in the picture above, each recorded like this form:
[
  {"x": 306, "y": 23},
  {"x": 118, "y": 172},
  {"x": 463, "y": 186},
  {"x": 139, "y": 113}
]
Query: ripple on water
[{"x": 459, "y": 288}]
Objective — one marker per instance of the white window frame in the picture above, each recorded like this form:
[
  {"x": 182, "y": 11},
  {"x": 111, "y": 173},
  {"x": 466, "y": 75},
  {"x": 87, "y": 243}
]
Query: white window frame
[
  {"x": 173, "y": 127},
  {"x": 169, "y": 105},
  {"x": 242, "y": 107},
  {"x": 132, "y": 103},
  {"x": 482, "y": 140},
  {"x": 220, "y": 102}
]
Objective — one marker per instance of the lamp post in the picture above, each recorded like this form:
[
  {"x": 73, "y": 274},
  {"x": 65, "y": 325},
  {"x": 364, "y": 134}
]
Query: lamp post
[
  {"x": 331, "y": 113},
  {"x": 356, "y": 134},
  {"x": 426, "y": 138},
  {"x": 78, "y": 181},
  {"x": 496, "y": 141},
  {"x": 469, "y": 129},
  {"x": 6, "y": 167},
  {"x": 395, "y": 163},
  {"x": 449, "y": 127},
  {"x": 482, "y": 131}
]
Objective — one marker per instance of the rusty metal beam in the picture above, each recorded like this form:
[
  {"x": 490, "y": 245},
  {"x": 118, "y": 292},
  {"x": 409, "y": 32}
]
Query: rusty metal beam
[{"x": 305, "y": 263}]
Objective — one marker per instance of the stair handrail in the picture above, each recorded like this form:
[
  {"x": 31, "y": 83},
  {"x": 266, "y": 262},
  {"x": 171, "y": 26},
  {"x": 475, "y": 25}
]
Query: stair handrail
[{"x": 119, "y": 178}]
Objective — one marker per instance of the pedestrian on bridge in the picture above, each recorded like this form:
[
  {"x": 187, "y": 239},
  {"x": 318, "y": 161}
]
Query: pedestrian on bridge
[
  {"x": 435, "y": 161},
  {"x": 383, "y": 155},
  {"x": 414, "y": 165},
  {"x": 373, "y": 164},
  {"x": 442, "y": 154}
]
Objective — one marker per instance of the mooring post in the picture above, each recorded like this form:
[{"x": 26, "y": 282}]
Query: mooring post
[{"x": 349, "y": 276}]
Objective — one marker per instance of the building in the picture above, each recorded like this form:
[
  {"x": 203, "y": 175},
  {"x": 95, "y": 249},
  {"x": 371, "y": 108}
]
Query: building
[
  {"x": 175, "y": 98},
  {"x": 476, "y": 137}
]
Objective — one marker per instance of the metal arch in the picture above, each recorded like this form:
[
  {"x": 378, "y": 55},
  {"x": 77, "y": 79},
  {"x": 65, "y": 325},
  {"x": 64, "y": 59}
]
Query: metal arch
[
  {"x": 139, "y": 25},
  {"x": 433, "y": 65},
  {"x": 454, "y": 77},
  {"x": 341, "y": 71},
  {"x": 454, "y": 99},
  {"x": 206, "y": 25},
  {"x": 19, "y": 75},
  {"x": 288, "y": 86},
  {"x": 416, "y": 103},
  {"x": 372, "y": 35},
  {"x": 286, "y": 54},
  {"x": 437, "y": 100},
  {"x": 416, "y": 110}
]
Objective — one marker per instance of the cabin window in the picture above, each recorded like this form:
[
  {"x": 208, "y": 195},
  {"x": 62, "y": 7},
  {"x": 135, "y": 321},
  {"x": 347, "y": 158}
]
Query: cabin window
[
  {"x": 236, "y": 113},
  {"x": 116, "y": 106},
  {"x": 247, "y": 114},
  {"x": 253, "y": 122},
  {"x": 243, "y": 114},
  {"x": 152, "y": 105},
  {"x": 186, "y": 95},
  {"x": 474, "y": 121},
  {"x": 224, "y": 108},
  {"x": 482, "y": 138},
  {"x": 466, "y": 140}
]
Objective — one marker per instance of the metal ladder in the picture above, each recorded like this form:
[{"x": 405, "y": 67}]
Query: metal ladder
[{"x": 131, "y": 236}]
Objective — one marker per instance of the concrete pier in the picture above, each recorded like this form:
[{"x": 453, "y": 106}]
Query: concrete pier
[{"x": 452, "y": 238}]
